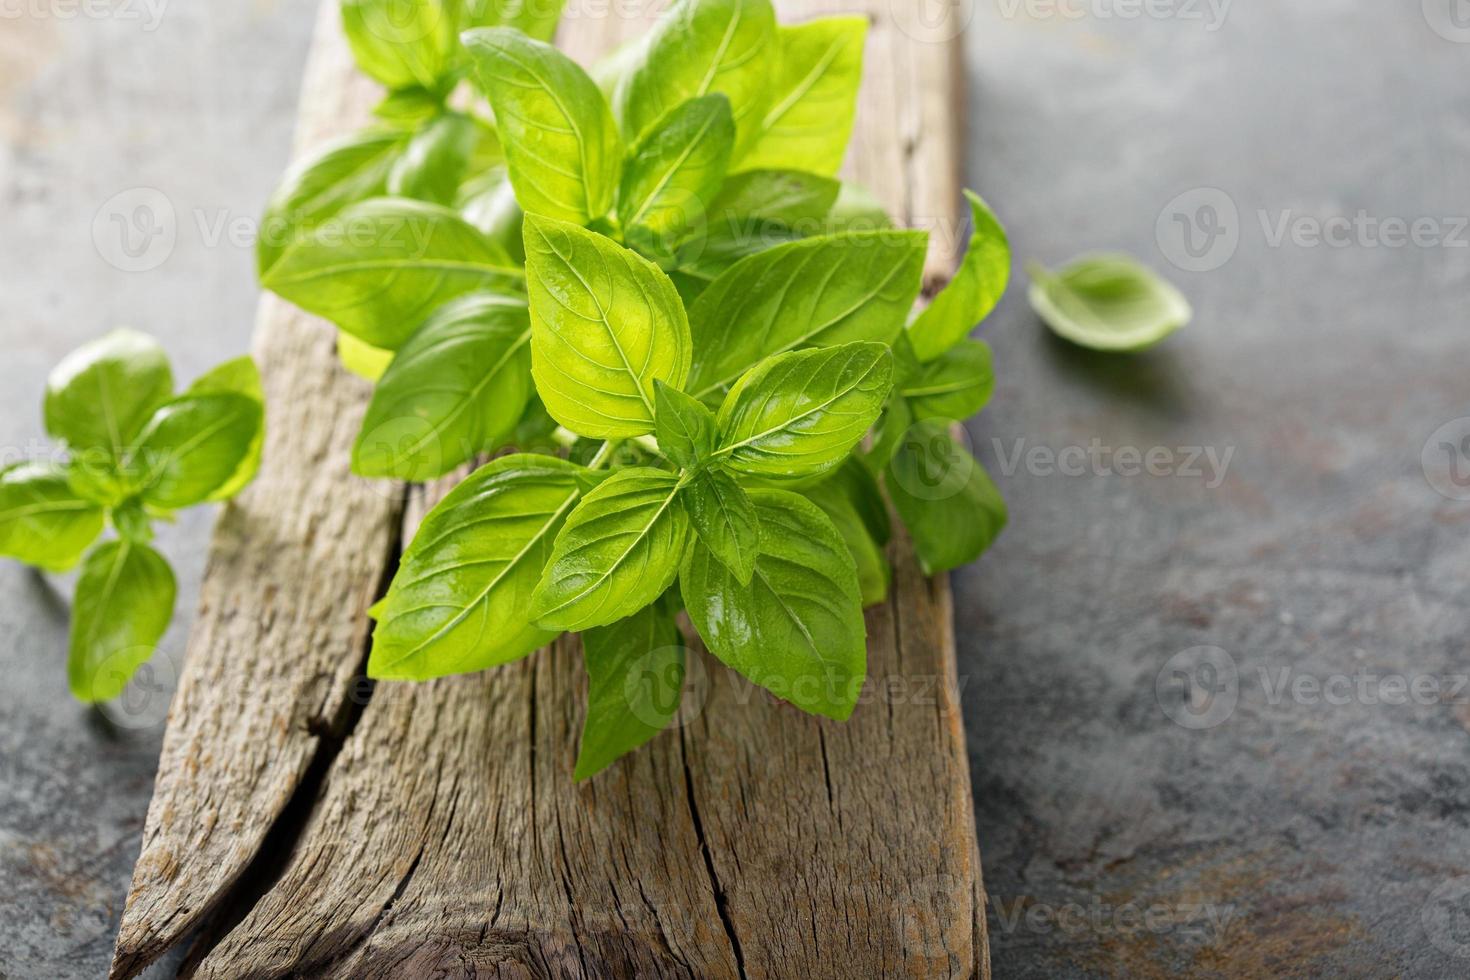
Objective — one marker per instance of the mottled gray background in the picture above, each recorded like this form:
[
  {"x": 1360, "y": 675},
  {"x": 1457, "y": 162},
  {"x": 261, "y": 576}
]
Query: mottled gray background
[{"x": 1276, "y": 828}]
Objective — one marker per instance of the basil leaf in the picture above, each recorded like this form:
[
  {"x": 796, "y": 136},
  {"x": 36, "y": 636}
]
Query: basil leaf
[
  {"x": 973, "y": 292},
  {"x": 408, "y": 109},
  {"x": 435, "y": 160},
  {"x": 873, "y": 571},
  {"x": 384, "y": 265},
  {"x": 955, "y": 386},
  {"x": 192, "y": 447},
  {"x": 43, "y": 521},
  {"x": 605, "y": 324},
  {"x": 561, "y": 144},
  {"x": 460, "y": 599},
  {"x": 361, "y": 358},
  {"x": 489, "y": 203},
  {"x": 801, "y": 413},
  {"x": 860, "y": 487},
  {"x": 887, "y": 434},
  {"x": 236, "y": 377},
  {"x": 102, "y": 394},
  {"x": 1108, "y": 302},
  {"x": 319, "y": 186},
  {"x": 699, "y": 47},
  {"x": 754, "y": 211},
  {"x": 618, "y": 552},
  {"x": 725, "y": 520},
  {"x": 815, "y": 292},
  {"x": 536, "y": 18},
  {"x": 457, "y": 388},
  {"x": 673, "y": 172},
  {"x": 813, "y": 95},
  {"x": 403, "y": 43},
  {"x": 686, "y": 430},
  {"x": 124, "y": 600},
  {"x": 635, "y": 677},
  {"x": 946, "y": 499},
  {"x": 797, "y": 628}
]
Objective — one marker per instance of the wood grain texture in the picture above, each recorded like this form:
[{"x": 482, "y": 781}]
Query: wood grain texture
[{"x": 447, "y": 837}]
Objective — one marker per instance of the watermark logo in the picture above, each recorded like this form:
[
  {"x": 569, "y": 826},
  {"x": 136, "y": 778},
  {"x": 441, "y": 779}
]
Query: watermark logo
[
  {"x": 1450, "y": 19},
  {"x": 1210, "y": 14},
  {"x": 1446, "y": 459},
  {"x": 136, "y": 230},
  {"x": 1199, "y": 231},
  {"x": 1198, "y": 688},
  {"x": 934, "y": 460},
  {"x": 1446, "y": 917},
  {"x": 149, "y": 13},
  {"x": 666, "y": 683},
  {"x": 1209, "y": 464},
  {"x": 144, "y": 702},
  {"x": 932, "y": 21}
]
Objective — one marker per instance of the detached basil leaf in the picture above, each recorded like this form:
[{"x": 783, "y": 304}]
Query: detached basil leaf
[
  {"x": 975, "y": 290},
  {"x": 946, "y": 499},
  {"x": 686, "y": 430},
  {"x": 815, "y": 292},
  {"x": 699, "y": 47},
  {"x": 43, "y": 521},
  {"x": 457, "y": 388},
  {"x": 536, "y": 18},
  {"x": 561, "y": 143},
  {"x": 955, "y": 386},
  {"x": 813, "y": 95},
  {"x": 382, "y": 266},
  {"x": 619, "y": 551},
  {"x": 320, "y": 185},
  {"x": 801, "y": 413},
  {"x": 605, "y": 324},
  {"x": 361, "y": 358},
  {"x": 101, "y": 394},
  {"x": 873, "y": 571},
  {"x": 1108, "y": 302},
  {"x": 192, "y": 447},
  {"x": 460, "y": 600},
  {"x": 635, "y": 677},
  {"x": 674, "y": 171},
  {"x": 434, "y": 162},
  {"x": 403, "y": 43},
  {"x": 124, "y": 600},
  {"x": 797, "y": 628},
  {"x": 725, "y": 520},
  {"x": 237, "y": 377}
]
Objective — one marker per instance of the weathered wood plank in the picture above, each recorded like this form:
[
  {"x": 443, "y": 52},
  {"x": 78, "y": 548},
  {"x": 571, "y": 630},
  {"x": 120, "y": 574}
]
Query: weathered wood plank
[{"x": 447, "y": 836}]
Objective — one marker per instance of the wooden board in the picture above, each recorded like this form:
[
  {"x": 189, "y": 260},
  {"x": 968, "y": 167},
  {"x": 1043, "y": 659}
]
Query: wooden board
[{"x": 302, "y": 827}]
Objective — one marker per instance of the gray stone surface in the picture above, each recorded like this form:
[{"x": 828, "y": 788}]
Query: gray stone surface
[{"x": 1280, "y": 829}]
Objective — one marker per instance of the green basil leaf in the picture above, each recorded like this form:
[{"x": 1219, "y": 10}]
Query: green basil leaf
[
  {"x": 605, "y": 324},
  {"x": 488, "y": 202},
  {"x": 635, "y": 677},
  {"x": 946, "y": 499},
  {"x": 619, "y": 551},
  {"x": 725, "y": 520},
  {"x": 754, "y": 211},
  {"x": 408, "y": 110},
  {"x": 873, "y": 571},
  {"x": 955, "y": 386},
  {"x": 124, "y": 600},
  {"x": 461, "y": 597},
  {"x": 102, "y": 394},
  {"x": 361, "y": 358},
  {"x": 382, "y": 266},
  {"x": 457, "y": 388},
  {"x": 813, "y": 96},
  {"x": 433, "y": 164},
  {"x": 403, "y": 43},
  {"x": 858, "y": 484},
  {"x": 887, "y": 434},
  {"x": 699, "y": 47},
  {"x": 536, "y": 18},
  {"x": 236, "y": 377},
  {"x": 1108, "y": 302},
  {"x": 561, "y": 144},
  {"x": 801, "y": 413},
  {"x": 797, "y": 628},
  {"x": 686, "y": 430},
  {"x": 673, "y": 172},
  {"x": 192, "y": 447},
  {"x": 973, "y": 292},
  {"x": 43, "y": 521},
  {"x": 815, "y": 292}
]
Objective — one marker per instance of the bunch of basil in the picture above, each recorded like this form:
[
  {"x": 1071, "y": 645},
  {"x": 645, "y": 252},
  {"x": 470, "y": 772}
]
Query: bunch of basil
[{"x": 654, "y": 266}]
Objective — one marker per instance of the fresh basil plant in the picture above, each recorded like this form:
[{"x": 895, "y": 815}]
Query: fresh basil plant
[
  {"x": 654, "y": 268},
  {"x": 136, "y": 452}
]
